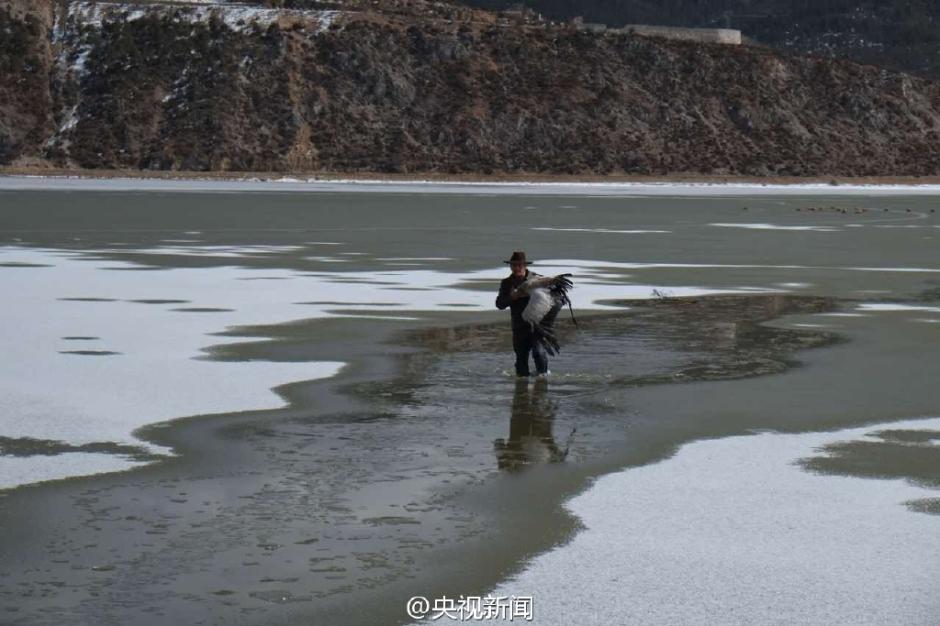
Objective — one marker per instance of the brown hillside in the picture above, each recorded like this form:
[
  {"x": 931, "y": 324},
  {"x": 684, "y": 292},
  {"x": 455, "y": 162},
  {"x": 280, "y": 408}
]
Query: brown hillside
[{"x": 175, "y": 87}]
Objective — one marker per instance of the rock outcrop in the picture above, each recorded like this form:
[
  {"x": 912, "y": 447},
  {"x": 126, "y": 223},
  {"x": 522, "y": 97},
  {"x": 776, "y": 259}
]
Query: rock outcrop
[
  {"x": 181, "y": 87},
  {"x": 26, "y": 109}
]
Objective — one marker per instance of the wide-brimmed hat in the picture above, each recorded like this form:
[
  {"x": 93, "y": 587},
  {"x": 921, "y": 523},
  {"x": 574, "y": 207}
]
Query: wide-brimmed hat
[{"x": 518, "y": 257}]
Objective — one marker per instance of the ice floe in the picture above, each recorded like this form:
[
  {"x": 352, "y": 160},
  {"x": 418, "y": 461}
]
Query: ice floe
[
  {"x": 751, "y": 226},
  {"x": 602, "y": 230},
  {"x": 897, "y": 306},
  {"x": 731, "y": 531}
]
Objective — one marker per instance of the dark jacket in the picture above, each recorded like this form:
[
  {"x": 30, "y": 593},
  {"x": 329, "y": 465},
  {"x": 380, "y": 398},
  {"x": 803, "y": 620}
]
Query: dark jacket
[{"x": 516, "y": 306}]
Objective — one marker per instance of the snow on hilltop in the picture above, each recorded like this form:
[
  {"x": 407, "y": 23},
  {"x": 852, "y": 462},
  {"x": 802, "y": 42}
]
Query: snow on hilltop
[{"x": 235, "y": 16}]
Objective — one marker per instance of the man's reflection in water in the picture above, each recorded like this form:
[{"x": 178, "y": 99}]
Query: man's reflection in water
[{"x": 530, "y": 429}]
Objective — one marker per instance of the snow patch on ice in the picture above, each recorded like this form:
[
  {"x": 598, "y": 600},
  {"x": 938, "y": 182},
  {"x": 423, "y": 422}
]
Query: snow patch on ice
[
  {"x": 731, "y": 531},
  {"x": 314, "y": 184},
  {"x": 750, "y": 226},
  {"x": 602, "y": 230},
  {"x": 890, "y": 306},
  {"x": 15, "y": 471}
]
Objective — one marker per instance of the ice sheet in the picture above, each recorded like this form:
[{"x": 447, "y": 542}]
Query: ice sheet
[
  {"x": 730, "y": 531},
  {"x": 315, "y": 184}
]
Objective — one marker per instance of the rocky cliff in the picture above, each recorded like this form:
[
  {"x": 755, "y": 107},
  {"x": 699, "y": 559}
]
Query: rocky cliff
[
  {"x": 26, "y": 108},
  {"x": 429, "y": 89}
]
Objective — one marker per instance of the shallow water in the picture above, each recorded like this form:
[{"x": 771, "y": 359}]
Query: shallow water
[{"x": 135, "y": 308}]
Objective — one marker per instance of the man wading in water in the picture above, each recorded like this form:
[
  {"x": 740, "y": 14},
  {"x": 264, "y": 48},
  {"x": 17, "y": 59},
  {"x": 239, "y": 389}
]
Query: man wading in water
[{"x": 523, "y": 337}]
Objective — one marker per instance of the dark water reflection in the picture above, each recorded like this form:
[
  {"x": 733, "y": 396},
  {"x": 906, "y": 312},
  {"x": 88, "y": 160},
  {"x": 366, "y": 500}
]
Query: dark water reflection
[{"x": 531, "y": 422}]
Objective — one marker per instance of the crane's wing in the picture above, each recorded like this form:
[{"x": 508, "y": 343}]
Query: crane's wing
[{"x": 561, "y": 283}]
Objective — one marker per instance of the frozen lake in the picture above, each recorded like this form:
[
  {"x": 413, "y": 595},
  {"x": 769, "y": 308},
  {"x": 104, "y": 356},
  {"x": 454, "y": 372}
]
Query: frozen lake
[{"x": 128, "y": 305}]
